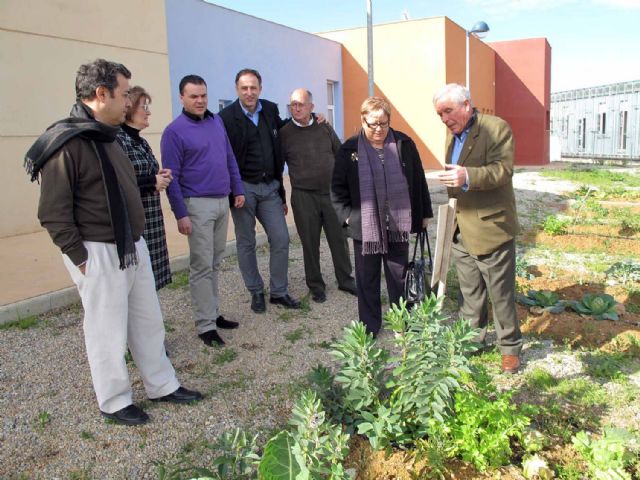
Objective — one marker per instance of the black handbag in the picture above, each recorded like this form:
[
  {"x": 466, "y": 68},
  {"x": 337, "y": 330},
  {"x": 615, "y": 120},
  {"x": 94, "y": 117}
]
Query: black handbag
[{"x": 417, "y": 283}]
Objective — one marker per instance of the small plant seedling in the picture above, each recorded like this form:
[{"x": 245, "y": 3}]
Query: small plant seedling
[
  {"x": 44, "y": 418},
  {"x": 225, "y": 356}
]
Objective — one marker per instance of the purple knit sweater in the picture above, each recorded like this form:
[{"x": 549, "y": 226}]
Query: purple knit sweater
[{"x": 201, "y": 159}]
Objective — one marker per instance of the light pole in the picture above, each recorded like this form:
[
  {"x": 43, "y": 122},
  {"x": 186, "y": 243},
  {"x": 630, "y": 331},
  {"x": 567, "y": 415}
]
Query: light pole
[
  {"x": 479, "y": 29},
  {"x": 370, "y": 48}
]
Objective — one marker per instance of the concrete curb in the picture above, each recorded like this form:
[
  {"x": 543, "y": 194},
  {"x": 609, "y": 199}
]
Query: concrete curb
[{"x": 68, "y": 296}]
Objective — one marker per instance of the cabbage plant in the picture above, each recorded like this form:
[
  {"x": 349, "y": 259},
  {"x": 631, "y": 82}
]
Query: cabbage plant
[
  {"x": 601, "y": 306},
  {"x": 544, "y": 299}
]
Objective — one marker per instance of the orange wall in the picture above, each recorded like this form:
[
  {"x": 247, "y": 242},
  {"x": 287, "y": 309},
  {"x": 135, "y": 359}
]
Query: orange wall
[
  {"x": 412, "y": 60},
  {"x": 523, "y": 83}
]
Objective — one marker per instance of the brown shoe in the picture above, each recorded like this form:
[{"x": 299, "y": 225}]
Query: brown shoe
[{"x": 510, "y": 363}]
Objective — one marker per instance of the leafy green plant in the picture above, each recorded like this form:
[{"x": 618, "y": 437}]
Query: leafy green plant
[
  {"x": 522, "y": 269},
  {"x": 609, "y": 455},
  {"x": 555, "y": 226},
  {"x": 545, "y": 299},
  {"x": 238, "y": 455},
  {"x": 315, "y": 449},
  {"x": 482, "y": 428},
  {"x": 627, "y": 271},
  {"x": 395, "y": 400},
  {"x": 601, "y": 306}
]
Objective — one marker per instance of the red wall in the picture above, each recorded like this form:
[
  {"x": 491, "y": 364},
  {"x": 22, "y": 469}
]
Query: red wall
[{"x": 523, "y": 95}]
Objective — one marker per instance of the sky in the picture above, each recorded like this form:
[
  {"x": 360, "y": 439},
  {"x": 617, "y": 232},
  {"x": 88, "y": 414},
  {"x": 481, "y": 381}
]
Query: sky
[{"x": 593, "y": 42}]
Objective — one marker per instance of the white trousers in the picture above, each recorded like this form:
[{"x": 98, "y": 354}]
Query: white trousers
[{"x": 121, "y": 308}]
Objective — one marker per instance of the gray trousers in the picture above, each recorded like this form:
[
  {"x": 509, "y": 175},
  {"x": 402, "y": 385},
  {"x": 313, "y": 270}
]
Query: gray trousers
[
  {"x": 262, "y": 202},
  {"x": 312, "y": 212},
  {"x": 207, "y": 242},
  {"x": 489, "y": 276}
]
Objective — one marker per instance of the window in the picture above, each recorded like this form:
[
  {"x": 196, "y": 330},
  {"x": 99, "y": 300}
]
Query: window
[
  {"x": 331, "y": 108},
  {"x": 602, "y": 119},
  {"x": 622, "y": 125},
  {"x": 224, "y": 103},
  {"x": 582, "y": 129}
]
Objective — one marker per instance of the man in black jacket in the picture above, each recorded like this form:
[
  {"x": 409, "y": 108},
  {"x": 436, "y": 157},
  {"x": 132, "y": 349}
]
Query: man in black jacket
[{"x": 252, "y": 126}]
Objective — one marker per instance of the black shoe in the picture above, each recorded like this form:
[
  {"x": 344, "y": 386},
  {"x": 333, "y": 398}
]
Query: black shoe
[
  {"x": 257, "y": 303},
  {"x": 130, "y": 415},
  {"x": 181, "y": 395},
  {"x": 349, "y": 289},
  {"x": 210, "y": 337},
  {"x": 319, "y": 297},
  {"x": 286, "y": 301},
  {"x": 228, "y": 324}
]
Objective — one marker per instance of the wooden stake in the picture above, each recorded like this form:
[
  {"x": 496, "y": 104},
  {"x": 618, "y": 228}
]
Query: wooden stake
[{"x": 444, "y": 238}]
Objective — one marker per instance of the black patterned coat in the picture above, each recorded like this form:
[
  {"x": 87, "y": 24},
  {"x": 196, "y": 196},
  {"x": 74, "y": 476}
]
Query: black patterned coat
[{"x": 146, "y": 167}]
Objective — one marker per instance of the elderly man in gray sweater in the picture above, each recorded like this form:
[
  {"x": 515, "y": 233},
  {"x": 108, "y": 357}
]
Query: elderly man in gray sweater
[{"x": 309, "y": 148}]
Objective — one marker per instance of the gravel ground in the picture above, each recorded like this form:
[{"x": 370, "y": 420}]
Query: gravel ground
[{"x": 50, "y": 423}]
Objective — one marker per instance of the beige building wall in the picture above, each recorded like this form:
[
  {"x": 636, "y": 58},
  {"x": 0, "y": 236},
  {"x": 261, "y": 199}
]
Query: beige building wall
[
  {"x": 42, "y": 43},
  {"x": 412, "y": 60}
]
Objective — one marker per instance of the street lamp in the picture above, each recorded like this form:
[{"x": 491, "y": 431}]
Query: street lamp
[
  {"x": 479, "y": 30},
  {"x": 370, "y": 47}
]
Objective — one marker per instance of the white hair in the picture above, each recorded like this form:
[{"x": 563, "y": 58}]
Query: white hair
[{"x": 454, "y": 92}]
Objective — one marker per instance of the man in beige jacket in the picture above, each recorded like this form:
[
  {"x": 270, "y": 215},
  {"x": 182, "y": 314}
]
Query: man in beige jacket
[{"x": 478, "y": 173}]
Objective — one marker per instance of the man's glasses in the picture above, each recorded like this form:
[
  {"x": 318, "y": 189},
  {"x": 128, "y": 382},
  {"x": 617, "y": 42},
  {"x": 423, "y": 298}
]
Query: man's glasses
[{"x": 374, "y": 126}]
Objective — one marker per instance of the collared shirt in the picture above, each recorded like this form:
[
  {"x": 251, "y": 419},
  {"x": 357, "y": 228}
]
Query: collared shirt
[
  {"x": 458, "y": 143},
  {"x": 196, "y": 118},
  {"x": 300, "y": 125},
  {"x": 255, "y": 116}
]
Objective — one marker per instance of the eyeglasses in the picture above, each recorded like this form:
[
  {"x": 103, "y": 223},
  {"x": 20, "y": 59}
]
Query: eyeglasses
[
  {"x": 146, "y": 108},
  {"x": 375, "y": 126},
  {"x": 298, "y": 105}
]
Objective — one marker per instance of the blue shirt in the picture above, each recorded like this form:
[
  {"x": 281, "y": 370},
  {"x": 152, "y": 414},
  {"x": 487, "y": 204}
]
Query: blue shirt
[
  {"x": 255, "y": 116},
  {"x": 458, "y": 143}
]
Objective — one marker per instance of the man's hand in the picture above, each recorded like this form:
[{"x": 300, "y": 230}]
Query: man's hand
[
  {"x": 285, "y": 209},
  {"x": 453, "y": 176},
  {"x": 425, "y": 222},
  {"x": 184, "y": 226},
  {"x": 83, "y": 268},
  {"x": 320, "y": 117},
  {"x": 238, "y": 201}
]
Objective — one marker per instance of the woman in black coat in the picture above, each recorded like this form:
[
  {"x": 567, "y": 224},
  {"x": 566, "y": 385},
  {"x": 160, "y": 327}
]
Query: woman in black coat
[{"x": 381, "y": 196}]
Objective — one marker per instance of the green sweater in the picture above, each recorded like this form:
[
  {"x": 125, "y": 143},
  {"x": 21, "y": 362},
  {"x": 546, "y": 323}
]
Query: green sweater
[{"x": 310, "y": 154}]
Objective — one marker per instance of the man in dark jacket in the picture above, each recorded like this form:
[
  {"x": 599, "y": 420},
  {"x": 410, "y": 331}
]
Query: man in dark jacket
[
  {"x": 90, "y": 205},
  {"x": 252, "y": 126}
]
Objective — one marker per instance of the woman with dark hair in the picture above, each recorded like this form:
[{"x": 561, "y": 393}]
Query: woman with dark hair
[
  {"x": 381, "y": 196},
  {"x": 151, "y": 180}
]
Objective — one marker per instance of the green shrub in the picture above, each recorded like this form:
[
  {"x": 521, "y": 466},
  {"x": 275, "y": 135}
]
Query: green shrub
[{"x": 555, "y": 226}]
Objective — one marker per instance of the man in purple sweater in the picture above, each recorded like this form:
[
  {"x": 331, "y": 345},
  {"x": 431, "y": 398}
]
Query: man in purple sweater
[{"x": 196, "y": 148}]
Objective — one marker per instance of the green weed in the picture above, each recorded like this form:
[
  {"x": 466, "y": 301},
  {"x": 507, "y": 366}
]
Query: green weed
[
  {"x": 225, "y": 355},
  {"x": 295, "y": 335},
  {"x": 540, "y": 379},
  {"x": 22, "y": 324},
  {"x": 180, "y": 280}
]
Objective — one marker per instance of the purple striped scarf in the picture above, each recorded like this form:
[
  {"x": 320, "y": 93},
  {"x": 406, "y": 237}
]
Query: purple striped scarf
[{"x": 383, "y": 192}]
